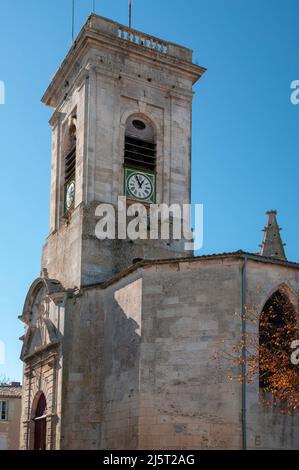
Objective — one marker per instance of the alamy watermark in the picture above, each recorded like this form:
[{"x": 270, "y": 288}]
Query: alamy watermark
[
  {"x": 295, "y": 93},
  {"x": 295, "y": 354},
  {"x": 2, "y": 92},
  {"x": 137, "y": 221}
]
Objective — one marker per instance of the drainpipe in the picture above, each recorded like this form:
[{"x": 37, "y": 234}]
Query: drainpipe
[{"x": 244, "y": 355}]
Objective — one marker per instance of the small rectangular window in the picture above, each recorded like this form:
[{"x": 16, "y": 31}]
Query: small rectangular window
[{"x": 3, "y": 410}]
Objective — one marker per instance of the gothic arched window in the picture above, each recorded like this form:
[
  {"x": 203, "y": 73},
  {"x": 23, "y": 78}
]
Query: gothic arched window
[{"x": 276, "y": 332}]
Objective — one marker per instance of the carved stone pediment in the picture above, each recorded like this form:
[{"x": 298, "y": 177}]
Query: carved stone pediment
[
  {"x": 42, "y": 301},
  {"x": 40, "y": 338},
  {"x": 41, "y": 290}
]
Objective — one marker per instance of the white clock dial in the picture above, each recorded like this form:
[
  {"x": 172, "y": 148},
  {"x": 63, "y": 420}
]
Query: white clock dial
[
  {"x": 70, "y": 195},
  {"x": 139, "y": 186}
]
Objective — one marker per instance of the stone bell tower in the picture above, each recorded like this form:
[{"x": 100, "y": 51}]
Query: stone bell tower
[{"x": 121, "y": 126}]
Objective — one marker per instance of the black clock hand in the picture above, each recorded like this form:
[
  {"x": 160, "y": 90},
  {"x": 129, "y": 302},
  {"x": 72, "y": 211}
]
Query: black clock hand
[{"x": 140, "y": 185}]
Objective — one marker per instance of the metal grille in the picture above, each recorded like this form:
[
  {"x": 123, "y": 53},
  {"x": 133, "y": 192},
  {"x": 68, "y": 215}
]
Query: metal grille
[{"x": 140, "y": 154}]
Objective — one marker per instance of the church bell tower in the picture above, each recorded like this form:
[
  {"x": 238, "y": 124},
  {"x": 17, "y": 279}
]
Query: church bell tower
[{"x": 121, "y": 126}]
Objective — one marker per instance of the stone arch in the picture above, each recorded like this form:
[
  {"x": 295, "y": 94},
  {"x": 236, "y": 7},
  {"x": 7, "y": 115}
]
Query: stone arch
[
  {"x": 283, "y": 287},
  {"x": 145, "y": 113},
  {"x": 31, "y": 298},
  {"x": 140, "y": 143},
  {"x": 37, "y": 394},
  {"x": 69, "y": 133},
  {"x": 68, "y": 162},
  {"x": 151, "y": 120},
  {"x": 150, "y": 129},
  {"x": 39, "y": 288},
  {"x": 39, "y": 386},
  {"x": 277, "y": 316}
]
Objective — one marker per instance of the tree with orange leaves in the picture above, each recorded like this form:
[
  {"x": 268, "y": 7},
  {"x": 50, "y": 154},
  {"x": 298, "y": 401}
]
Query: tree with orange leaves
[{"x": 269, "y": 352}]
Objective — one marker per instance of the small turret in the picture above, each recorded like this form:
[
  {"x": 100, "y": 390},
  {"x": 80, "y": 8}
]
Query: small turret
[{"x": 272, "y": 245}]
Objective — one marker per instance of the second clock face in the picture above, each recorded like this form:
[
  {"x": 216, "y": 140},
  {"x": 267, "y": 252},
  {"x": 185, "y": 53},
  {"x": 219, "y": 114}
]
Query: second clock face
[
  {"x": 139, "y": 186},
  {"x": 70, "y": 195}
]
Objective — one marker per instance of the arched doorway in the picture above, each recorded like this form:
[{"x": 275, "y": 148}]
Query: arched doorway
[{"x": 40, "y": 424}]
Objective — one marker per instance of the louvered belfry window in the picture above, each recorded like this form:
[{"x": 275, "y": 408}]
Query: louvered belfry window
[
  {"x": 140, "y": 146},
  {"x": 70, "y": 157},
  {"x": 69, "y": 153}
]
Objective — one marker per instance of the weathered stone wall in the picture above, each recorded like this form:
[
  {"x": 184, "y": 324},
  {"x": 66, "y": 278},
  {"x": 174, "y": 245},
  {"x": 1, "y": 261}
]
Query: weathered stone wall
[
  {"x": 186, "y": 401},
  {"x": 82, "y": 372},
  {"x": 148, "y": 343},
  {"x": 122, "y": 364},
  {"x": 62, "y": 252},
  {"x": 138, "y": 366},
  {"x": 268, "y": 428},
  {"x": 101, "y": 368},
  {"x": 103, "y": 258}
]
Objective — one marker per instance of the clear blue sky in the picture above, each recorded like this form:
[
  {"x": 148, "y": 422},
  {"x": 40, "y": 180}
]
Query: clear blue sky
[{"x": 245, "y": 130}]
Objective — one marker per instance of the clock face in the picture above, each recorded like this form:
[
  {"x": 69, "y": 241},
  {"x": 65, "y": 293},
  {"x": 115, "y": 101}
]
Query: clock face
[
  {"x": 70, "y": 195},
  {"x": 139, "y": 186}
]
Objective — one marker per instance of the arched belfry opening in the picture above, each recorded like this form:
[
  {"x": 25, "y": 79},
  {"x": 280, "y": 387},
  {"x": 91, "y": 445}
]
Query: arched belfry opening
[
  {"x": 40, "y": 423},
  {"x": 276, "y": 333},
  {"x": 140, "y": 144},
  {"x": 140, "y": 160},
  {"x": 69, "y": 159}
]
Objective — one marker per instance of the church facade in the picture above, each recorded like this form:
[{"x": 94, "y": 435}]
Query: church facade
[{"x": 120, "y": 334}]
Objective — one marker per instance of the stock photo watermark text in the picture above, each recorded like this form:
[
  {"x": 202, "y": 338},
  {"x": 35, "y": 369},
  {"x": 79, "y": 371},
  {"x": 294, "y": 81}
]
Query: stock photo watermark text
[
  {"x": 152, "y": 221},
  {"x": 295, "y": 93}
]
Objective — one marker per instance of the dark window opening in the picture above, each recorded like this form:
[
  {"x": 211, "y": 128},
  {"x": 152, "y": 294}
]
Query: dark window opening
[
  {"x": 140, "y": 154},
  {"x": 3, "y": 410},
  {"x": 70, "y": 154},
  {"x": 275, "y": 336},
  {"x": 70, "y": 164},
  {"x": 140, "y": 146},
  {"x": 40, "y": 428},
  {"x": 139, "y": 124}
]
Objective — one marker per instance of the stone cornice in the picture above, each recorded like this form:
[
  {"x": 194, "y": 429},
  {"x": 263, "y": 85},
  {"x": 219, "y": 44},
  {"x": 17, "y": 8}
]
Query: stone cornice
[
  {"x": 144, "y": 264},
  {"x": 45, "y": 354},
  {"x": 56, "y": 117},
  {"x": 107, "y": 36},
  {"x": 180, "y": 93}
]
